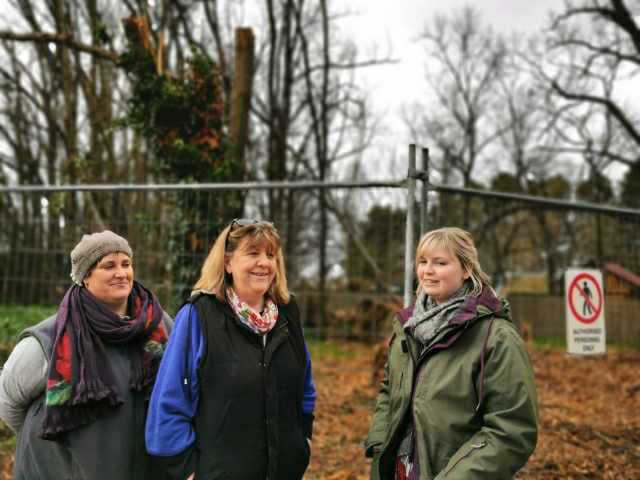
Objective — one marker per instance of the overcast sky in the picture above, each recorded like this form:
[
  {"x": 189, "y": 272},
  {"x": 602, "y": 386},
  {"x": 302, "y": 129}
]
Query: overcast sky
[{"x": 394, "y": 25}]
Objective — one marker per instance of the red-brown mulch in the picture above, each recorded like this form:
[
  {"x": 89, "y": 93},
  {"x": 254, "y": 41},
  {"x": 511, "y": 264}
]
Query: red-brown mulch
[{"x": 589, "y": 416}]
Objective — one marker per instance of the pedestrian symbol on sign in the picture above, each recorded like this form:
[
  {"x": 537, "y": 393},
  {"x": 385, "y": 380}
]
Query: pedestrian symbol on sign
[
  {"x": 587, "y": 306},
  {"x": 585, "y": 297}
]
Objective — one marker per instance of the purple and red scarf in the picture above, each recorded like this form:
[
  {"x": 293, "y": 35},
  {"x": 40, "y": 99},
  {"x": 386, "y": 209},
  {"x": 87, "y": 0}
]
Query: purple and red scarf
[{"x": 80, "y": 384}]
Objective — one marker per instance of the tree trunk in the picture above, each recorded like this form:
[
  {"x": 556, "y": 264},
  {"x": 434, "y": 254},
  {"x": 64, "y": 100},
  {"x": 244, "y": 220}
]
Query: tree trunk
[{"x": 241, "y": 97}]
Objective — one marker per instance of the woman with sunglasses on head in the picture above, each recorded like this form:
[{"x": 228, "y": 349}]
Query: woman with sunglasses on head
[
  {"x": 235, "y": 396},
  {"x": 458, "y": 398},
  {"x": 76, "y": 386}
]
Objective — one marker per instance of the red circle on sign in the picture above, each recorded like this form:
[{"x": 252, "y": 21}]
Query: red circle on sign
[{"x": 573, "y": 285}]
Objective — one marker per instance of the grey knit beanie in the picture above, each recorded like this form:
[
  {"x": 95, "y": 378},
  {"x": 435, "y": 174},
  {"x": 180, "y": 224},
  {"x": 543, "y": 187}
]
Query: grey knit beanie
[{"x": 92, "y": 248}]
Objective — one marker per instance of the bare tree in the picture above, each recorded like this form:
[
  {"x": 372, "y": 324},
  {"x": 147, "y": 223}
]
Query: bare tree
[
  {"x": 311, "y": 119},
  {"x": 309, "y": 116},
  {"x": 594, "y": 51},
  {"x": 465, "y": 60}
]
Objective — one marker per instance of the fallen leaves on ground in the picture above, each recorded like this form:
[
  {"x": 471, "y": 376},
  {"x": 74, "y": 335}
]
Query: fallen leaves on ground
[
  {"x": 346, "y": 398},
  {"x": 589, "y": 415}
]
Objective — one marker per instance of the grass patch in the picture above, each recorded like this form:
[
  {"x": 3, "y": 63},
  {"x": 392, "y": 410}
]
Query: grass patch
[
  {"x": 15, "y": 318},
  {"x": 321, "y": 349},
  {"x": 8, "y": 444},
  {"x": 561, "y": 343},
  {"x": 550, "y": 342}
]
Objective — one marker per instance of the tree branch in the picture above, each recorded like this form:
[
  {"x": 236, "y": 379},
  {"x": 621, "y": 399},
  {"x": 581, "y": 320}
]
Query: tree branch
[
  {"x": 605, "y": 102},
  {"x": 601, "y": 50},
  {"x": 601, "y": 153},
  {"x": 65, "y": 39}
]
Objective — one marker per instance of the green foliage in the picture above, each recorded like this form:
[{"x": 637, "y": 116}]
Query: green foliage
[
  {"x": 556, "y": 186},
  {"x": 182, "y": 118},
  {"x": 631, "y": 187},
  {"x": 596, "y": 189},
  {"x": 101, "y": 34},
  {"x": 328, "y": 349},
  {"x": 550, "y": 342},
  {"x": 560, "y": 343},
  {"x": 506, "y": 182},
  {"x": 380, "y": 233},
  {"x": 14, "y": 319},
  {"x": 7, "y": 442}
]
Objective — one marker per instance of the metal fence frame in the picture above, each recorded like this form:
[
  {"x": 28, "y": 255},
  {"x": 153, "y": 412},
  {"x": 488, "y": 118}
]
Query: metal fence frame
[
  {"x": 409, "y": 183},
  {"x": 422, "y": 175},
  {"x": 206, "y": 187}
]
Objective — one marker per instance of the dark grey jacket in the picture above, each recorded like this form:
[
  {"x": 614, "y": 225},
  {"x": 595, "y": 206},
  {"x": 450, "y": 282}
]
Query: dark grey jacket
[{"x": 112, "y": 447}]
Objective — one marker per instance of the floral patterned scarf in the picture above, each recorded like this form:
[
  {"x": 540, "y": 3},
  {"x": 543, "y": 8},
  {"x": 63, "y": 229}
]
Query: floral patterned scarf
[
  {"x": 259, "y": 323},
  {"x": 80, "y": 383}
]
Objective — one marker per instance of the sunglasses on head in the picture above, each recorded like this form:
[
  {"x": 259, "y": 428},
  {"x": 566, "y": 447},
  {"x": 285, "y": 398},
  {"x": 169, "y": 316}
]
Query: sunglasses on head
[{"x": 245, "y": 222}]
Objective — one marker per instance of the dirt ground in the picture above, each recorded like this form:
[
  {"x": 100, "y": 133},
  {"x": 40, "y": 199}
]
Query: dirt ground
[{"x": 589, "y": 415}]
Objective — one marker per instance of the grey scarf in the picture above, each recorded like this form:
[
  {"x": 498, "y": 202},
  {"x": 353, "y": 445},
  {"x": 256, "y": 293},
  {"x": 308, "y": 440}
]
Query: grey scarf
[{"x": 429, "y": 318}]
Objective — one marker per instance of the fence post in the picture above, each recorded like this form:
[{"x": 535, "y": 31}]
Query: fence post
[
  {"x": 424, "y": 203},
  {"x": 409, "y": 235}
]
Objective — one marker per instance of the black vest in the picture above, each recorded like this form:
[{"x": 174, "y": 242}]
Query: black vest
[{"x": 249, "y": 420}]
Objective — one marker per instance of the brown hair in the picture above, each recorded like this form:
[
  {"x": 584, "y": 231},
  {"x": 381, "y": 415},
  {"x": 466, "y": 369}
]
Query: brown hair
[
  {"x": 460, "y": 243},
  {"x": 213, "y": 277}
]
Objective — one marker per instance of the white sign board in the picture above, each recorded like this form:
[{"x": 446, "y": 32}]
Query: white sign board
[{"x": 584, "y": 299}]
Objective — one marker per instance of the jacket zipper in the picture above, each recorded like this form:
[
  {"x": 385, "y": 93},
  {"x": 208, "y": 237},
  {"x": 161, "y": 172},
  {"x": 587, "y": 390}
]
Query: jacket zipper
[
  {"x": 268, "y": 351},
  {"x": 386, "y": 444},
  {"x": 264, "y": 390}
]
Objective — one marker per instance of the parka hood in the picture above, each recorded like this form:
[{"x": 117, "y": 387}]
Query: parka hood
[{"x": 484, "y": 304}]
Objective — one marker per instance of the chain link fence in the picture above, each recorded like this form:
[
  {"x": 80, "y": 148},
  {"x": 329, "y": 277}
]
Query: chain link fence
[
  {"x": 348, "y": 246},
  {"x": 526, "y": 243},
  {"x": 353, "y": 266}
]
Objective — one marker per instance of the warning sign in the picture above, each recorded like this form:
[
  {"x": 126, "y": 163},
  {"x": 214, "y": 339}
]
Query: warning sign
[{"x": 585, "y": 312}]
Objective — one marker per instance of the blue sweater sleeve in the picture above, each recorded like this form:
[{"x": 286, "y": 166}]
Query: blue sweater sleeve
[
  {"x": 308, "y": 397},
  {"x": 174, "y": 400}
]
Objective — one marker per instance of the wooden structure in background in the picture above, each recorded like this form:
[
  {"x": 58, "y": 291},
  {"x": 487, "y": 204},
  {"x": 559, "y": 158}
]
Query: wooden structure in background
[{"x": 620, "y": 281}]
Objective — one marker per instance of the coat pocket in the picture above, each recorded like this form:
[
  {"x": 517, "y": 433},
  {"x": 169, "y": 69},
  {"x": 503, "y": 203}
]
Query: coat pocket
[{"x": 467, "y": 452}]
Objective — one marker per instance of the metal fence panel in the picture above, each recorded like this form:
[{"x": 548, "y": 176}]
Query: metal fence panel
[
  {"x": 171, "y": 230},
  {"x": 525, "y": 244}
]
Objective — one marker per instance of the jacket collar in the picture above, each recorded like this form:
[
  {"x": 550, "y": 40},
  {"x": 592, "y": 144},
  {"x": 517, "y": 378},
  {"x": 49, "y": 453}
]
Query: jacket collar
[
  {"x": 485, "y": 303},
  {"x": 473, "y": 306}
]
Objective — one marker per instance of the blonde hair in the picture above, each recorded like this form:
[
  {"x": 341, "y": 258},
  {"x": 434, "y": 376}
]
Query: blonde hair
[
  {"x": 213, "y": 276},
  {"x": 459, "y": 243}
]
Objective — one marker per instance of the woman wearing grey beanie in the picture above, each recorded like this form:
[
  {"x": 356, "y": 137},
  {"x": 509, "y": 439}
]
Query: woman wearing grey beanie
[{"x": 76, "y": 386}]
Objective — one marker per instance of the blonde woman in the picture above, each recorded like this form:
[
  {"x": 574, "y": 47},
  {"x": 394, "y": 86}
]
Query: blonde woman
[
  {"x": 234, "y": 396},
  {"x": 458, "y": 398}
]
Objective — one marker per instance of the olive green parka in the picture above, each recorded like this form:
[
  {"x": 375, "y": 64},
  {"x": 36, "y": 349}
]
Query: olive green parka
[{"x": 470, "y": 394}]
